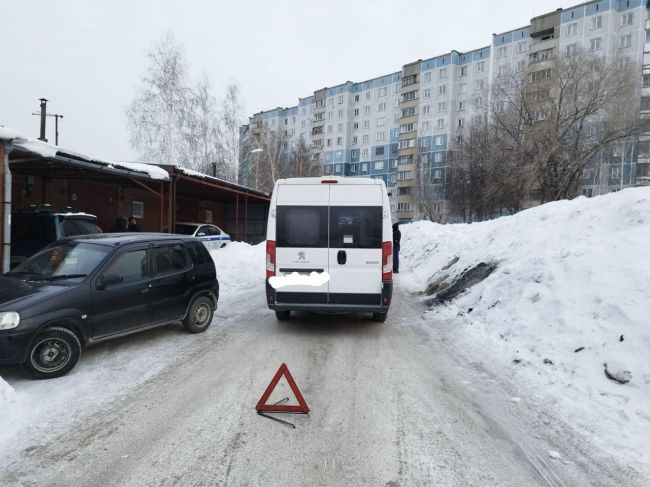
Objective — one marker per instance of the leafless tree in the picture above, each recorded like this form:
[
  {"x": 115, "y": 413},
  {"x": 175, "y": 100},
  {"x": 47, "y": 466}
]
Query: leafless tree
[
  {"x": 157, "y": 112},
  {"x": 299, "y": 163},
  {"x": 231, "y": 118},
  {"x": 559, "y": 117},
  {"x": 269, "y": 158}
]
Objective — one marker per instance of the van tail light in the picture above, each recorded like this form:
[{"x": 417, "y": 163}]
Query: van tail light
[
  {"x": 387, "y": 261},
  {"x": 270, "y": 258}
]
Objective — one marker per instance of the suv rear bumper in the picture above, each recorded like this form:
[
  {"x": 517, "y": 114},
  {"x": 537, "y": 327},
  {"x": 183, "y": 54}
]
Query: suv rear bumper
[{"x": 319, "y": 302}]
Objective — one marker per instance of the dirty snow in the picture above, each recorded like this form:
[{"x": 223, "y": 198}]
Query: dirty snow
[{"x": 570, "y": 274}]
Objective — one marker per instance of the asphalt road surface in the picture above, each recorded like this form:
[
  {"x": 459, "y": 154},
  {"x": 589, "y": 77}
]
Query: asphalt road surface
[{"x": 392, "y": 404}]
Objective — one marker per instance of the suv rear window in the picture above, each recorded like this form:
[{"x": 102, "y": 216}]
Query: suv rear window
[
  {"x": 78, "y": 226},
  {"x": 357, "y": 227},
  {"x": 301, "y": 226}
]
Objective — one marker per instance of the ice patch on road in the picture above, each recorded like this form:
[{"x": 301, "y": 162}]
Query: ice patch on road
[{"x": 569, "y": 294}]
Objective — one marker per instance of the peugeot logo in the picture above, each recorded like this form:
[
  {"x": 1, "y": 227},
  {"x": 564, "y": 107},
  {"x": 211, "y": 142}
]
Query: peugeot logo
[{"x": 301, "y": 256}]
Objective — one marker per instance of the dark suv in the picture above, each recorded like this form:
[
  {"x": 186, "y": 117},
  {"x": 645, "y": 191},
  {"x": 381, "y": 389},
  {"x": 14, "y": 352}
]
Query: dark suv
[
  {"x": 82, "y": 290},
  {"x": 34, "y": 228}
]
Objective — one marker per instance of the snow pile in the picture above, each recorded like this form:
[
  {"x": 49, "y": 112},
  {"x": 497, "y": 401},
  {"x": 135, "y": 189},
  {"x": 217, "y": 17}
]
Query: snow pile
[
  {"x": 569, "y": 294},
  {"x": 240, "y": 266}
]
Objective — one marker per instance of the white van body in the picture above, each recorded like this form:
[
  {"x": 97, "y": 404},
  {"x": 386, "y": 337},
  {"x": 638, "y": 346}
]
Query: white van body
[{"x": 338, "y": 225}]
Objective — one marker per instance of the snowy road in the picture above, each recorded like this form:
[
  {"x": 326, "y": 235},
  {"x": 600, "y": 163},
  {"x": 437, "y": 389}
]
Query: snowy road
[{"x": 391, "y": 406}]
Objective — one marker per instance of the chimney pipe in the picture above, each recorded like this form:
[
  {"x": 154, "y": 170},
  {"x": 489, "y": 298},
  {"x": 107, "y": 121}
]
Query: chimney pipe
[{"x": 43, "y": 113}]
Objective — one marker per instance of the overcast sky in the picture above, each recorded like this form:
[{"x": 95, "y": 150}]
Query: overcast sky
[{"x": 87, "y": 57}]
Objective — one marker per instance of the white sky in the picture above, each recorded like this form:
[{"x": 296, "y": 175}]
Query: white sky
[{"x": 87, "y": 57}]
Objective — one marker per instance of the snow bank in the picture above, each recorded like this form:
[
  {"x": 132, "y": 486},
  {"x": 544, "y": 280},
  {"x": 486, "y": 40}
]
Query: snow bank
[
  {"x": 570, "y": 274},
  {"x": 240, "y": 266}
]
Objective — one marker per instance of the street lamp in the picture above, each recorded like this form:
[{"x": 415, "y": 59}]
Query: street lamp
[{"x": 257, "y": 163}]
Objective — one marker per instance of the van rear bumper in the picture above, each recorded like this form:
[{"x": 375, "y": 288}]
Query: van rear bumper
[{"x": 322, "y": 302}]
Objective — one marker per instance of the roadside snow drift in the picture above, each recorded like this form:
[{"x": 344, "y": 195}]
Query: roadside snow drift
[
  {"x": 240, "y": 266},
  {"x": 565, "y": 312}
]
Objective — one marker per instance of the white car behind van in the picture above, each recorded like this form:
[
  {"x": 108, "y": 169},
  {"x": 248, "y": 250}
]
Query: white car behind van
[{"x": 338, "y": 225}]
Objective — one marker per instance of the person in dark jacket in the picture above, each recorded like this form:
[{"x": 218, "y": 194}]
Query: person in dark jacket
[
  {"x": 133, "y": 225},
  {"x": 397, "y": 236},
  {"x": 121, "y": 225}
]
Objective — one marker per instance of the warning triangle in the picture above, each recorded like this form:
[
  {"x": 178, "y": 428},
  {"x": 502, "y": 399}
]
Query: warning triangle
[{"x": 282, "y": 408}]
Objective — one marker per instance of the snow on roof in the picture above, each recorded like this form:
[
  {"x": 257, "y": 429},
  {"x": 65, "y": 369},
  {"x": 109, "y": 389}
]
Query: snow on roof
[
  {"x": 44, "y": 149},
  {"x": 191, "y": 172}
]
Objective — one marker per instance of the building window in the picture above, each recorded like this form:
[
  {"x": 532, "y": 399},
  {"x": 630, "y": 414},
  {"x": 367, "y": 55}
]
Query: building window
[
  {"x": 462, "y": 88},
  {"x": 520, "y": 66},
  {"x": 381, "y": 121},
  {"x": 596, "y": 22},
  {"x": 502, "y": 52},
  {"x": 502, "y": 71},
  {"x": 408, "y": 127},
  {"x": 461, "y": 106},
  {"x": 381, "y": 136},
  {"x": 364, "y": 153},
  {"x": 426, "y": 109},
  {"x": 409, "y": 95},
  {"x": 408, "y": 112},
  {"x": 339, "y": 141},
  {"x": 622, "y": 62},
  {"x": 627, "y": 18},
  {"x": 355, "y": 126},
  {"x": 625, "y": 41},
  {"x": 572, "y": 29},
  {"x": 646, "y": 80},
  {"x": 340, "y": 99},
  {"x": 440, "y": 124},
  {"x": 571, "y": 49},
  {"x": 427, "y": 76},
  {"x": 442, "y": 106},
  {"x": 403, "y": 206},
  {"x": 366, "y": 109},
  {"x": 480, "y": 67},
  {"x": 138, "y": 209},
  {"x": 442, "y": 90},
  {"x": 594, "y": 44},
  {"x": 437, "y": 157},
  {"x": 425, "y": 126},
  {"x": 356, "y": 98},
  {"x": 366, "y": 124},
  {"x": 356, "y": 112},
  {"x": 442, "y": 73},
  {"x": 364, "y": 167},
  {"x": 382, "y": 91},
  {"x": 480, "y": 84},
  {"x": 379, "y": 166},
  {"x": 379, "y": 151},
  {"x": 521, "y": 46},
  {"x": 427, "y": 93},
  {"x": 340, "y": 127},
  {"x": 355, "y": 140},
  {"x": 366, "y": 138},
  {"x": 381, "y": 107},
  {"x": 438, "y": 140}
]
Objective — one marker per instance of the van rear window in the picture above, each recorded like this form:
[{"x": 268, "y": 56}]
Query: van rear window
[
  {"x": 301, "y": 226},
  {"x": 356, "y": 227}
]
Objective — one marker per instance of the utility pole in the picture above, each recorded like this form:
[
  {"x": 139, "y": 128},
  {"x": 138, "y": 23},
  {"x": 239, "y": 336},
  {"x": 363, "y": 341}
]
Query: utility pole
[{"x": 43, "y": 114}]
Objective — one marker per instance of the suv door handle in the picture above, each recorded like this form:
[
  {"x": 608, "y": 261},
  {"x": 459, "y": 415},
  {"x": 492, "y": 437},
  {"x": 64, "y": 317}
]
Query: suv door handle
[
  {"x": 342, "y": 257},
  {"x": 145, "y": 289}
]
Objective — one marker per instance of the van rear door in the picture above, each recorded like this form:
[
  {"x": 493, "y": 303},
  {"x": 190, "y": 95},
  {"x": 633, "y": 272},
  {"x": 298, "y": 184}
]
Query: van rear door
[
  {"x": 302, "y": 239},
  {"x": 355, "y": 254}
]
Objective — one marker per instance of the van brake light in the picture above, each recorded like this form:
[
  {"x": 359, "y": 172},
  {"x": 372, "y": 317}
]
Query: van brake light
[
  {"x": 387, "y": 261},
  {"x": 270, "y": 258}
]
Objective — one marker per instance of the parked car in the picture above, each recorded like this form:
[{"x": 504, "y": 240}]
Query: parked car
[
  {"x": 212, "y": 236},
  {"x": 338, "y": 225},
  {"x": 32, "y": 229},
  {"x": 83, "y": 290}
]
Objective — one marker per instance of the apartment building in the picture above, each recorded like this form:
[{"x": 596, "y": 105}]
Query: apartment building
[{"x": 402, "y": 126}]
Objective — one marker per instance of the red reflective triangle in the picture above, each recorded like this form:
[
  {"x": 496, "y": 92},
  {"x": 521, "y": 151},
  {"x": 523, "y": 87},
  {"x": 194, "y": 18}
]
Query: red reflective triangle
[{"x": 300, "y": 408}]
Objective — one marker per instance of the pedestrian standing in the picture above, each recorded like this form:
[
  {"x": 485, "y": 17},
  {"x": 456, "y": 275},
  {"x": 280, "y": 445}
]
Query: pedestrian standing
[
  {"x": 121, "y": 225},
  {"x": 397, "y": 236},
  {"x": 133, "y": 225}
]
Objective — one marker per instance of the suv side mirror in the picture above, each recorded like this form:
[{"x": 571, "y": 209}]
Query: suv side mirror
[{"x": 110, "y": 280}]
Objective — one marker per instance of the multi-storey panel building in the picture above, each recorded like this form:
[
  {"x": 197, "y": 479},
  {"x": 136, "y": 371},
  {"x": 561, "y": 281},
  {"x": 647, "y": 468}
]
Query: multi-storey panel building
[{"x": 401, "y": 127}]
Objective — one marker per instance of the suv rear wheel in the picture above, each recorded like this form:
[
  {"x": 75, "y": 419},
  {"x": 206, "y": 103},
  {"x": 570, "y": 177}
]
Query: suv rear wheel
[
  {"x": 54, "y": 352},
  {"x": 200, "y": 315}
]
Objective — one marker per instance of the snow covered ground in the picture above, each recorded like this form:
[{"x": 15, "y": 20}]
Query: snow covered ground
[{"x": 570, "y": 293}]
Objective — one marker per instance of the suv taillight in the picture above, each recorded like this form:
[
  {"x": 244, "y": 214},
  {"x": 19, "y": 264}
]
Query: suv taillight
[
  {"x": 387, "y": 261},
  {"x": 270, "y": 258}
]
